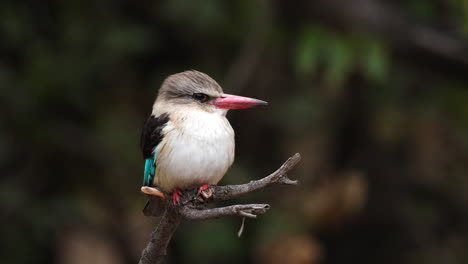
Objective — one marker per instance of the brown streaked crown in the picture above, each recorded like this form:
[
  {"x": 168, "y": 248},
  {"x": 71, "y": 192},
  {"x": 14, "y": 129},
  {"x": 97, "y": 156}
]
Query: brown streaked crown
[{"x": 185, "y": 84}]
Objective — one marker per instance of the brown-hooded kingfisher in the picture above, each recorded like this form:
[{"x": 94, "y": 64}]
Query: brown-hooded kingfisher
[{"x": 187, "y": 141}]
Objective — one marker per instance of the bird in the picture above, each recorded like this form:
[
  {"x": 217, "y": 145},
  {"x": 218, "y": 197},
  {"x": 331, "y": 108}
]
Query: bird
[{"x": 187, "y": 141}]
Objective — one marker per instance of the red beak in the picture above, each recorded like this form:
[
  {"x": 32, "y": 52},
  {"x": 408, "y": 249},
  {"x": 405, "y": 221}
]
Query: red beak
[{"x": 229, "y": 101}]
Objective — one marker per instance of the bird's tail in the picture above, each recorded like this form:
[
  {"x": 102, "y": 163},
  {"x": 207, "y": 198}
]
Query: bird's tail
[{"x": 153, "y": 207}]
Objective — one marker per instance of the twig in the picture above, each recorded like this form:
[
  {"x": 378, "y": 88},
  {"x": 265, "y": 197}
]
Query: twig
[
  {"x": 193, "y": 207},
  {"x": 229, "y": 192},
  {"x": 246, "y": 210}
]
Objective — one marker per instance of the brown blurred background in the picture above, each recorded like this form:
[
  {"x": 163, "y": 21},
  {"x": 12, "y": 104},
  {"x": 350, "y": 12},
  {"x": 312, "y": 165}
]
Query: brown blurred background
[{"x": 372, "y": 93}]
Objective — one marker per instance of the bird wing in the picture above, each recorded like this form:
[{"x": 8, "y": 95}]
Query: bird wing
[{"x": 151, "y": 136}]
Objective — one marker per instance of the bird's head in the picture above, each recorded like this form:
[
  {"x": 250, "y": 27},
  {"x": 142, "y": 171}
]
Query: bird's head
[{"x": 196, "y": 90}]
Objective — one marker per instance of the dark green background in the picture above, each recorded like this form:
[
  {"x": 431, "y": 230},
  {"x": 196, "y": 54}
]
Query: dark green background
[{"x": 372, "y": 93}]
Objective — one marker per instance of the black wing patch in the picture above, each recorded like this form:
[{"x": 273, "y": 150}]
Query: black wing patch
[{"x": 151, "y": 134}]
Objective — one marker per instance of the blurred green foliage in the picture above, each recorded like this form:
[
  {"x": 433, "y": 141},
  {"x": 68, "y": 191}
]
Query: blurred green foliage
[{"x": 338, "y": 55}]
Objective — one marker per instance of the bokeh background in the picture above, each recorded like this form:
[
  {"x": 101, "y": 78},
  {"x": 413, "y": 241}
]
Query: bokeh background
[{"x": 372, "y": 93}]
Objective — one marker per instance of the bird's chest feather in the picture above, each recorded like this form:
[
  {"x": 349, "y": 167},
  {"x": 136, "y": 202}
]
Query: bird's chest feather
[{"x": 196, "y": 149}]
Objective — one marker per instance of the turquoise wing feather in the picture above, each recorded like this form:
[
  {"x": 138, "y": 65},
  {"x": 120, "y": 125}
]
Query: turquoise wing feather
[{"x": 150, "y": 169}]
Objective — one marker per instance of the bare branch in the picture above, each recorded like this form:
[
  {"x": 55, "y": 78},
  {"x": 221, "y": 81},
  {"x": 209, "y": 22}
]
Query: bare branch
[
  {"x": 156, "y": 249},
  {"x": 279, "y": 177},
  {"x": 193, "y": 207},
  {"x": 247, "y": 210}
]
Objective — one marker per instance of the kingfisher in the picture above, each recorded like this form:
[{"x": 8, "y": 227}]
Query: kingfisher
[{"x": 187, "y": 141}]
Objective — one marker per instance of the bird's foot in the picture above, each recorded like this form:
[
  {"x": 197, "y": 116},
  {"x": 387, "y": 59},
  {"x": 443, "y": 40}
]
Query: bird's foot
[
  {"x": 176, "y": 196},
  {"x": 153, "y": 191},
  {"x": 205, "y": 191},
  {"x": 203, "y": 187}
]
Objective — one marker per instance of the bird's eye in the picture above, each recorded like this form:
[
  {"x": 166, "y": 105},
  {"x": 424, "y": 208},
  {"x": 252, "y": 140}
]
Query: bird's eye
[{"x": 200, "y": 97}]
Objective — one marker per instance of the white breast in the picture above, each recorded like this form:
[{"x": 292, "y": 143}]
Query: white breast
[{"x": 197, "y": 148}]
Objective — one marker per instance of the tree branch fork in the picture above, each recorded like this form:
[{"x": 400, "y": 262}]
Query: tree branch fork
[{"x": 193, "y": 206}]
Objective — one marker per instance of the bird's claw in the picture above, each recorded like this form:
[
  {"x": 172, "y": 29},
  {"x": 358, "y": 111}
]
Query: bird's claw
[
  {"x": 205, "y": 192},
  {"x": 153, "y": 192},
  {"x": 176, "y": 196}
]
